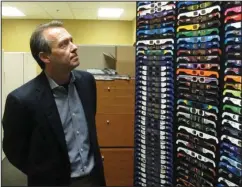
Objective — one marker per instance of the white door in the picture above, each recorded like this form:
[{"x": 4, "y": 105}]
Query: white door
[{"x": 13, "y": 77}]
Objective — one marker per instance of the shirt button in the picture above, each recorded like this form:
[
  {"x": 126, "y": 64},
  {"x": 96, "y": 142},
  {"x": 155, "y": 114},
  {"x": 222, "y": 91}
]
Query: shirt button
[{"x": 77, "y": 132}]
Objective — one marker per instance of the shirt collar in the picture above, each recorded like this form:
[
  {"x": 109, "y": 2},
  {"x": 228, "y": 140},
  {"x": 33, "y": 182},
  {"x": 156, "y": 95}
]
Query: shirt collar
[{"x": 54, "y": 85}]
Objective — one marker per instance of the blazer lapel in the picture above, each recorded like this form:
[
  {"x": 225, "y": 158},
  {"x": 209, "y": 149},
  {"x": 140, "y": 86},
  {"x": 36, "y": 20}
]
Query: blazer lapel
[{"x": 48, "y": 106}]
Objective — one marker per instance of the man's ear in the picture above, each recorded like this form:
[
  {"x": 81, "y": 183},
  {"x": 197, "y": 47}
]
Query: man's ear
[{"x": 44, "y": 57}]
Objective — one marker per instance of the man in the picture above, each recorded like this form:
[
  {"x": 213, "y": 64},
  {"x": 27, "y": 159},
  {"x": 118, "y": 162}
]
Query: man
[{"x": 49, "y": 123}]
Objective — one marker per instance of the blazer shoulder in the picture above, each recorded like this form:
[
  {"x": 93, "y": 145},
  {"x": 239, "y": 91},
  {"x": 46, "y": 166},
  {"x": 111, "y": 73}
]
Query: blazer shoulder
[
  {"x": 26, "y": 91},
  {"x": 83, "y": 74}
]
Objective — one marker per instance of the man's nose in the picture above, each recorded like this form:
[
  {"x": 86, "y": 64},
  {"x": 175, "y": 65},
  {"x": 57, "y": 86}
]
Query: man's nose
[{"x": 74, "y": 47}]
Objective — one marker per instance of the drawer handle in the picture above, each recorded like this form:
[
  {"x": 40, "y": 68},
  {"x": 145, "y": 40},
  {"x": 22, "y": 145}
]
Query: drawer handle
[
  {"x": 108, "y": 122},
  {"x": 109, "y": 89},
  {"x": 102, "y": 158}
]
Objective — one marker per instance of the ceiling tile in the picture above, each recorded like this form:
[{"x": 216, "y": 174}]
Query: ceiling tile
[
  {"x": 57, "y": 10},
  {"x": 22, "y": 4},
  {"x": 85, "y": 13},
  {"x": 78, "y": 5},
  {"x": 31, "y": 10}
]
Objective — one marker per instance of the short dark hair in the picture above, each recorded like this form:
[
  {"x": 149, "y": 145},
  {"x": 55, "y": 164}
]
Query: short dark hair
[{"x": 38, "y": 43}]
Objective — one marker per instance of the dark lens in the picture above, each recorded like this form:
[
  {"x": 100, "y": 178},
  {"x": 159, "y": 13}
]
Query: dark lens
[
  {"x": 195, "y": 13},
  {"x": 193, "y": 132},
  {"x": 203, "y": 11},
  {"x": 202, "y": 66},
  {"x": 193, "y": 110},
  {"x": 194, "y": 79},
  {"x": 202, "y": 5},
  {"x": 201, "y": 134}
]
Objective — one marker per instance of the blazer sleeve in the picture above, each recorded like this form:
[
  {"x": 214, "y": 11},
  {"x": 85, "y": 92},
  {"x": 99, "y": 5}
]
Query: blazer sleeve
[{"x": 16, "y": 137}]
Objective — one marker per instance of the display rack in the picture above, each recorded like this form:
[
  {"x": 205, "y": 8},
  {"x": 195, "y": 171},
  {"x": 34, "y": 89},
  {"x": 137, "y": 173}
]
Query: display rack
[
  {"x": 188, "y": 94},
  {"x": 154, "y": 94}
]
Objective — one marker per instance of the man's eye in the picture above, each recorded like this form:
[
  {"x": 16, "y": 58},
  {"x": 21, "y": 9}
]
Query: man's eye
[{"x": 64, "y": 44}]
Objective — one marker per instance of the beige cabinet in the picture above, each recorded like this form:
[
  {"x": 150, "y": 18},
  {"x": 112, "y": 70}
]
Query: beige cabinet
[{"x": 17, "y": 69}]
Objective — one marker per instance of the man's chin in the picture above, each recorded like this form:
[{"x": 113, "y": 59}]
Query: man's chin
[{"x": 75, "y": 64}]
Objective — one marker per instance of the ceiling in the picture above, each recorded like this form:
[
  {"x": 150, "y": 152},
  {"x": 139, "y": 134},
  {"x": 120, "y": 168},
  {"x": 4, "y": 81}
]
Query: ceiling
[{"x": 70, "y": 10}]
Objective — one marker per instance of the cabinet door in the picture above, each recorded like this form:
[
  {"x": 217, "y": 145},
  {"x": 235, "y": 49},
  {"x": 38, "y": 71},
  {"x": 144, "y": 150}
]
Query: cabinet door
[
  {"x": 30, "y": 67},
  {"x": 118, "y": 166}
]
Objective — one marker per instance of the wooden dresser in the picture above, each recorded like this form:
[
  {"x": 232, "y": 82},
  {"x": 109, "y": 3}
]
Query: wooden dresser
[{"x": 115, "y": 129}]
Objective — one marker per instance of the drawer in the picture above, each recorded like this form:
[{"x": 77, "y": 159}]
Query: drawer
[
  {"x": 127, "y": 92},
  {"x": 115, "y": 88},
  {"x": 125, "y": 84},
  {"x": 106, "y": 91},
  {"x": 105, "y": 83},
  {"x": 116, "y": 83},
  {"x": 119, "y": 100},
  {"x": 118, "y": 166},
  {"x": 115, "y": 92},
  {"x": 115, "y": 130},
  {"x": 115, "y": 109}
]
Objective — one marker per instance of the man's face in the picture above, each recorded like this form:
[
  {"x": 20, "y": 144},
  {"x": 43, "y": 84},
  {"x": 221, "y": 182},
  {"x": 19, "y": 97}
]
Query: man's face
[{"x": 63, "y": 55}]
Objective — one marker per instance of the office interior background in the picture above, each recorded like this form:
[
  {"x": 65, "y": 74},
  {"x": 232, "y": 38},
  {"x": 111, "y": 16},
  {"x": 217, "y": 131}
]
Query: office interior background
[
  {"x": 169, "y": 81},
  {"x": 103, "y": 42}
]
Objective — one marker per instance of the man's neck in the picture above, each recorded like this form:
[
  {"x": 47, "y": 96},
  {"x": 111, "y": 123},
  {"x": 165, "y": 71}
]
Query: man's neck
[{"x": 59, "y": 78}]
